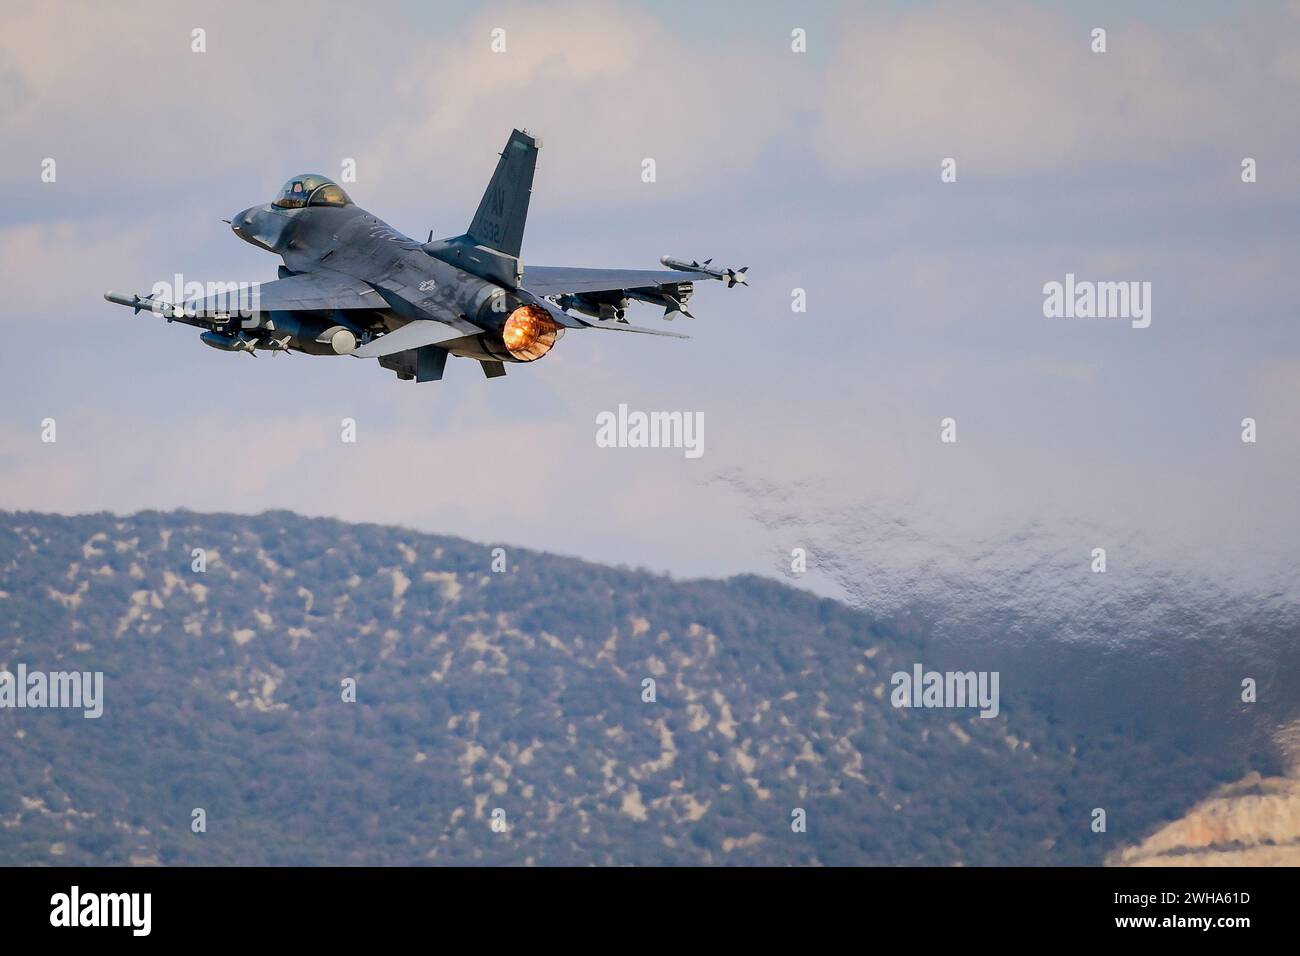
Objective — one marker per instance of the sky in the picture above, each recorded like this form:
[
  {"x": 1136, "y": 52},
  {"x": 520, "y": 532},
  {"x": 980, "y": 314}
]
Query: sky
[{"x": 819, "y": 170}]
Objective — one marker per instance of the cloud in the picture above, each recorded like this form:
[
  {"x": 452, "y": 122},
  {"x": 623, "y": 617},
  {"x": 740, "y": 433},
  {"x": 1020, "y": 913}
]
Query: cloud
[
  {"x": 1019, "y": 91},
  {"x": 58, "y": 268},
  {"x": 817, "y": 170},
  {"x": 604, "y": 85}
]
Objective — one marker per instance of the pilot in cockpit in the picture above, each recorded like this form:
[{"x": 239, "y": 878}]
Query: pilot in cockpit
[{"x": 311, "y": 189}]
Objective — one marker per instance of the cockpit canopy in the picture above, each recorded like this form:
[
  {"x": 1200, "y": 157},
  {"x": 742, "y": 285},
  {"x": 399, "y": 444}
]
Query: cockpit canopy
[{"x": 311, "y": 189}]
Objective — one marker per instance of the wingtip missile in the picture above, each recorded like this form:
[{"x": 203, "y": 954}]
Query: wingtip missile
[
  {"x": 732, "y": 277},
  {"x": 136, "y": 303}
]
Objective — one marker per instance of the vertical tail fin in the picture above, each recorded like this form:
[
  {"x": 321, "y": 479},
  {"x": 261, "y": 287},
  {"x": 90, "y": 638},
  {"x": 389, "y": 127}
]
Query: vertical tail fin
[{"x": 499, "y": 222}]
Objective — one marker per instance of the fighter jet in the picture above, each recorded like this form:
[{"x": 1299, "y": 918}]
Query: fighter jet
[{"x": 350, "y": 284}]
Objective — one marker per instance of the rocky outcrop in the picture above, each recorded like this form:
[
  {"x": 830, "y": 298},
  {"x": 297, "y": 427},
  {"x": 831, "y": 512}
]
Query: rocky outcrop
[{"x": 1253, "y": 822}]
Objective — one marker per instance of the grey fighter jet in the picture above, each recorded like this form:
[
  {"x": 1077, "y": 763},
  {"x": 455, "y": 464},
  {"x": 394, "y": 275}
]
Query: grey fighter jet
[{"x": 353, "y": 285}]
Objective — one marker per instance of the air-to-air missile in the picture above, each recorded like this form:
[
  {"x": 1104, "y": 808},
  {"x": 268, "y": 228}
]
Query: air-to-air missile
[
  {"x": 136, "y": 302},
  {"x": 729, "y": 276}
]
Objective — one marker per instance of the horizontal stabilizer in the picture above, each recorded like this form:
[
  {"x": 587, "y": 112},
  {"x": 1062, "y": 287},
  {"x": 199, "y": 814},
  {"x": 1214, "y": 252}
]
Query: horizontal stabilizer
[{"x": 613, "y": 325}]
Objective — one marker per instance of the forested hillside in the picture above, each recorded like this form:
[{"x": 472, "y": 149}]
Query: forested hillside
[{"x": 522, "y": 692}]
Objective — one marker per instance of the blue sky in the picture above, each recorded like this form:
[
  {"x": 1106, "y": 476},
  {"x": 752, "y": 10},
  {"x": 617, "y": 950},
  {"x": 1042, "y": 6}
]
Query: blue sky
[{"x": 817, "y": 170}]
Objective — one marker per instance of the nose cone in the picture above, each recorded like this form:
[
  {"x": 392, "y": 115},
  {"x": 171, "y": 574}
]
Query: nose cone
[
  {"x": 258, "y": 227},
  {"x": 239, "y": 223}
]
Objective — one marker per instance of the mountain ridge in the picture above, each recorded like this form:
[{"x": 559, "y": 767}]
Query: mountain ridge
[{"x": 520, "y": 691}]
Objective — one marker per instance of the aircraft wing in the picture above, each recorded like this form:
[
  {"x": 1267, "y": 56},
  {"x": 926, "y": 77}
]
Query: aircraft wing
[
  {"x": 306, "y": 291},
  {"x": 563, "y": 280},
  {"x": 604, "y": 292}
]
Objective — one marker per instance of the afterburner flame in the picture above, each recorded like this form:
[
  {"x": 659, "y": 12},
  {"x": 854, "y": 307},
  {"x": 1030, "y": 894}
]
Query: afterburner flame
[{"x": 530, "y": 332}]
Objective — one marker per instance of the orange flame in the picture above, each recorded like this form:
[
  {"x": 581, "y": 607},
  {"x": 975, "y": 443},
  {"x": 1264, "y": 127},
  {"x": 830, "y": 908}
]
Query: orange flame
[{"x": 530, "y": 332}]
